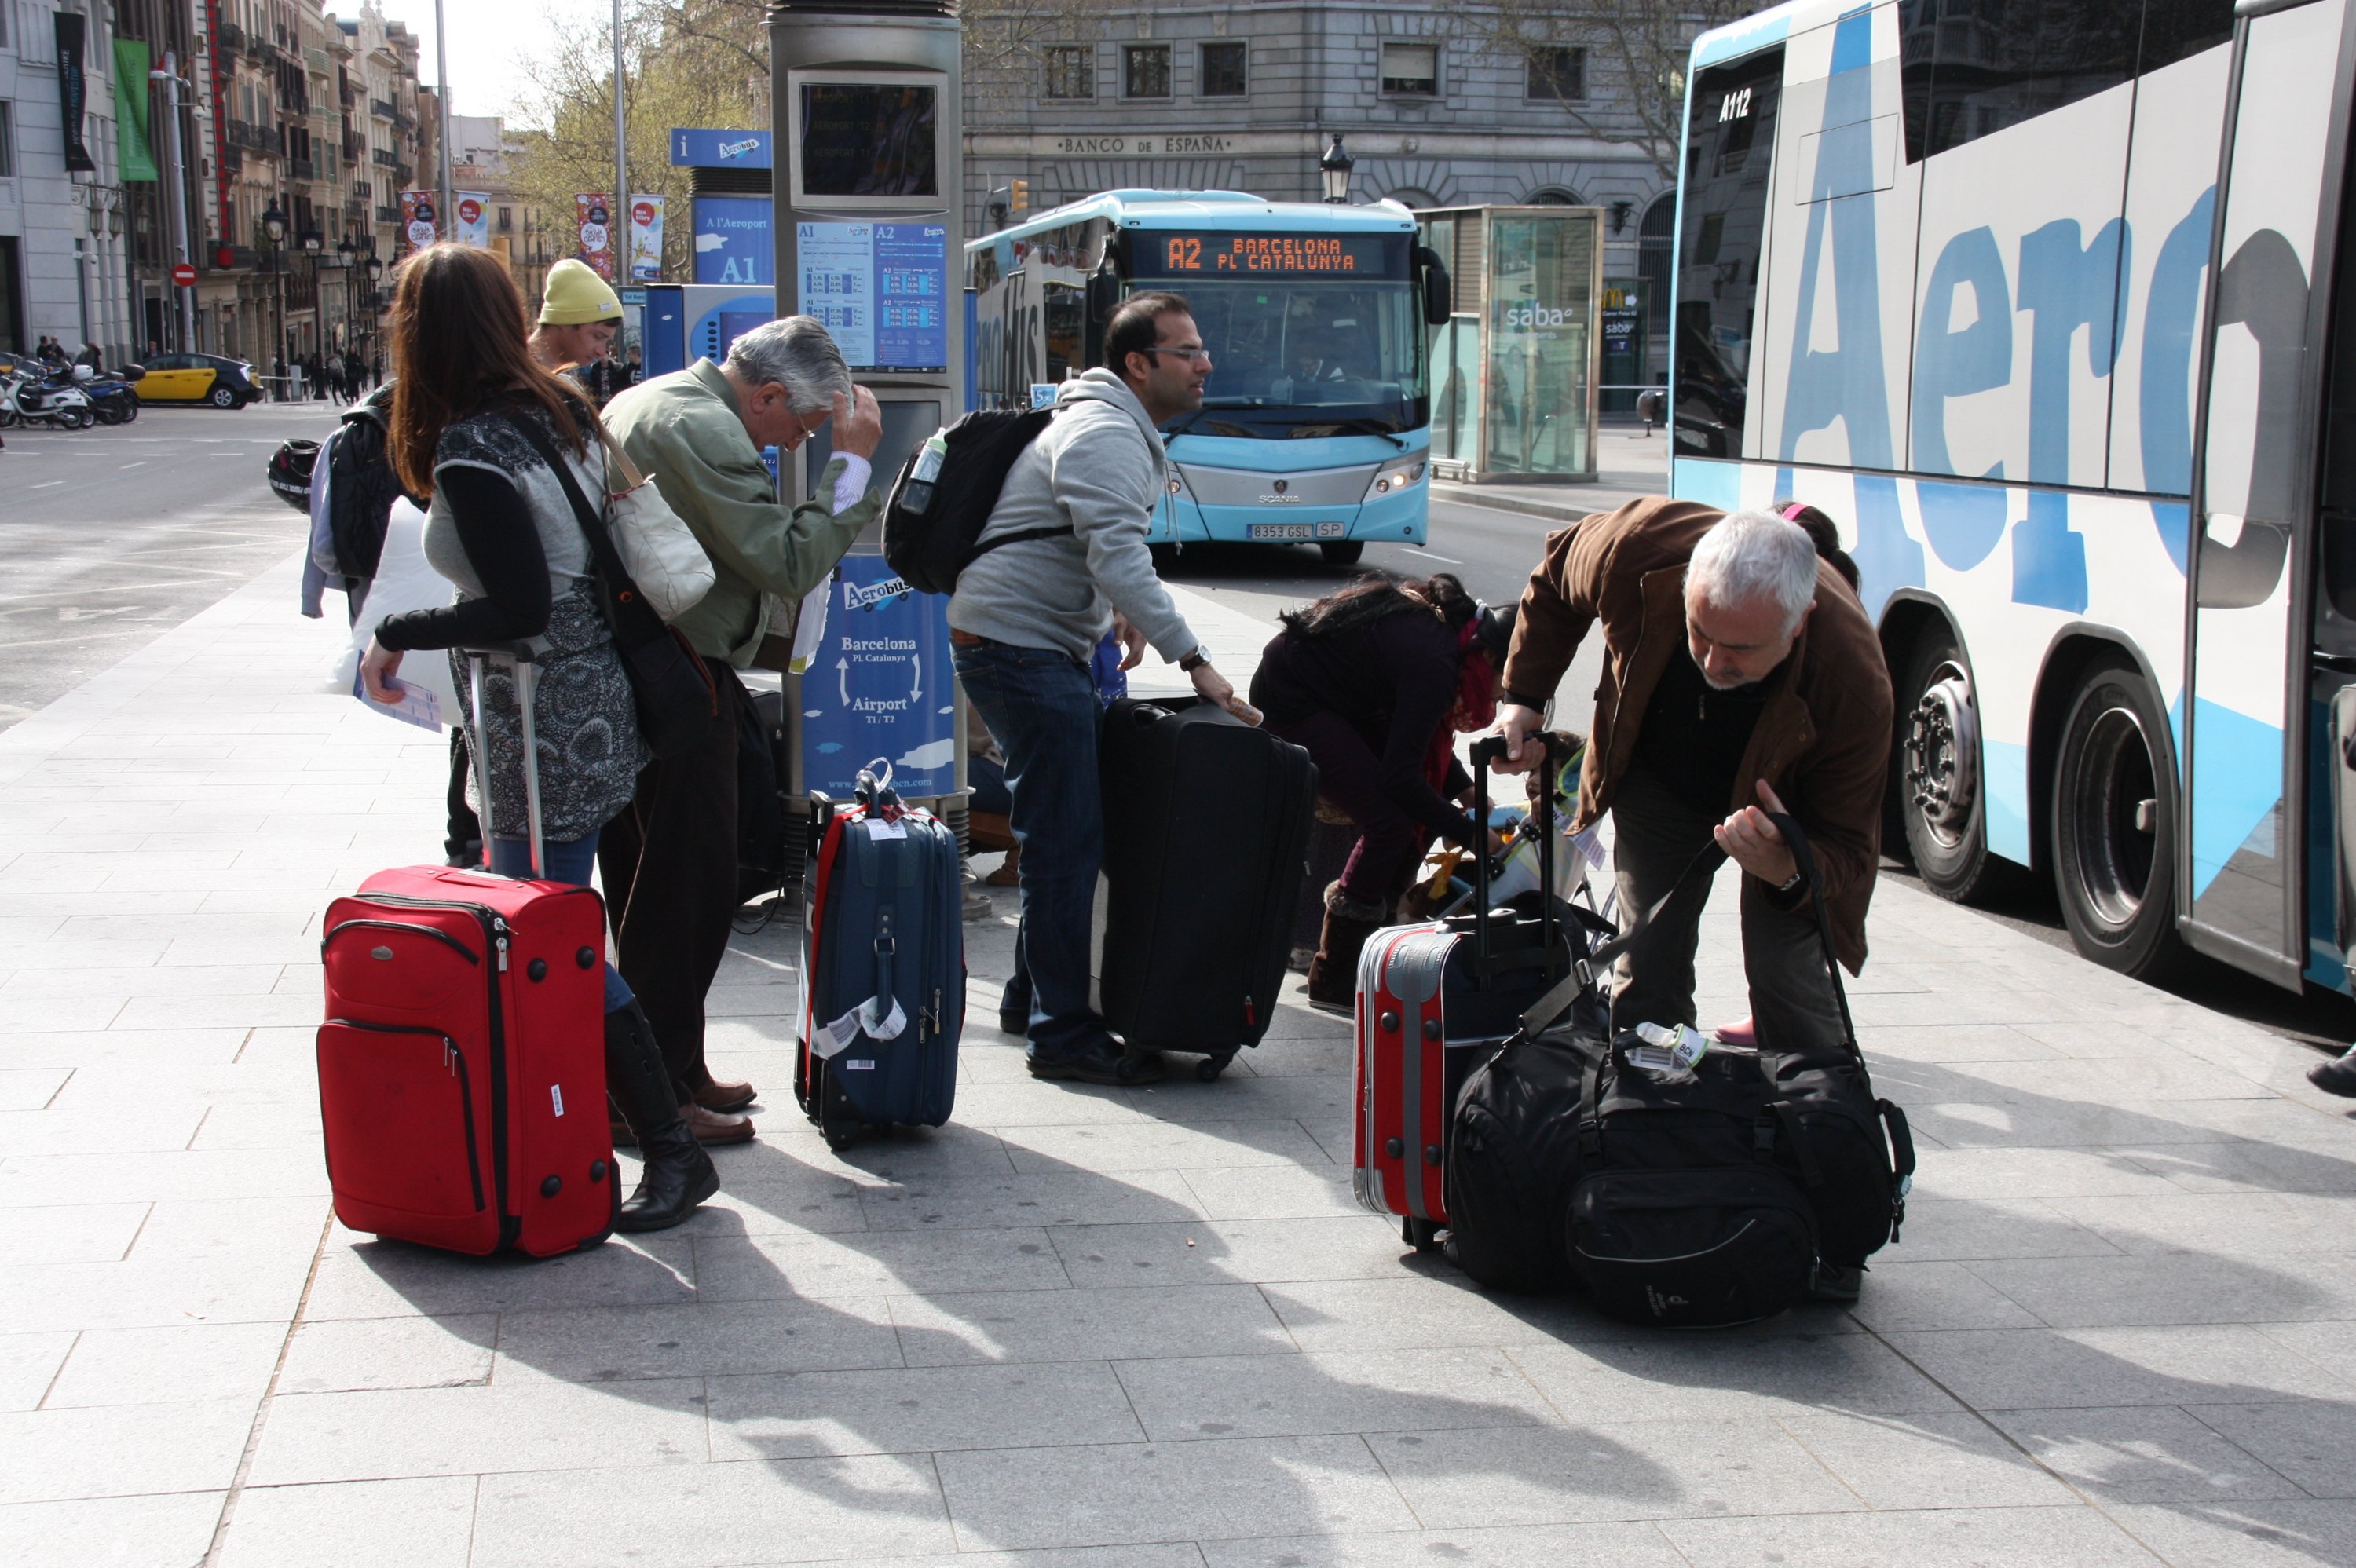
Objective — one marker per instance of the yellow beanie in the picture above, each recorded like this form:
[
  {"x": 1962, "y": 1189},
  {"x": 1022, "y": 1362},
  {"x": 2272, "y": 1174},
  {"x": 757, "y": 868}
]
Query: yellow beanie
[{"x": 576, "y": 295}]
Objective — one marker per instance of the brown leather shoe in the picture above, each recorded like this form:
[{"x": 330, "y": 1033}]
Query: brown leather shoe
[
  {"x": 714, "y": 1127},
  {"x": 724, "y": 1097}
]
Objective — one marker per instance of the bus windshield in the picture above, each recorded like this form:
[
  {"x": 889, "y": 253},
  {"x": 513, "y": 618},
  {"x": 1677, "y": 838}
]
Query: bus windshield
[{"x": 1307, "y": 358}]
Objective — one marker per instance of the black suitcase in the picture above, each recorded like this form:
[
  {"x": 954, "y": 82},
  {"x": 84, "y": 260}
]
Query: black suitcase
[{"x": 1206, "y": 829}]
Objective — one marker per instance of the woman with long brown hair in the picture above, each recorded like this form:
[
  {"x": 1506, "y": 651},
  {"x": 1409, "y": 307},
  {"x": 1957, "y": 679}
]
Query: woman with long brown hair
[
  {"x": 1376, "y": 681},
  {"x": 468, "y": 404}
]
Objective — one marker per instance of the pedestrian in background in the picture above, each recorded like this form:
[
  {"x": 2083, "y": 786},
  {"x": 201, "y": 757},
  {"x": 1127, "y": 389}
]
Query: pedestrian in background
[
  {"x": 502, "y": 528},
  {"x": 670, "y": 862},
  {"x": 579, "y": 315},
  {"x": 1375, "y": 682},
  {"x": 1023, "y": 623}
]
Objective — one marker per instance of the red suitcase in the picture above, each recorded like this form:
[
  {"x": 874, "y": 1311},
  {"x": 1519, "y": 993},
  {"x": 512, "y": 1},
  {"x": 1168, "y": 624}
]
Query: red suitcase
[
  {"x": 462, "y": 1068},
  {"x": 1433, "y": 1001}
]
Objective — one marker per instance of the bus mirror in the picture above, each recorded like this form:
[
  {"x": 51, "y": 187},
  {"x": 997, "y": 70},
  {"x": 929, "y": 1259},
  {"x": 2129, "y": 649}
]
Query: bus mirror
[
  {"x": 1438, "y": 298},
  {"x": 1104, "y": 295}
]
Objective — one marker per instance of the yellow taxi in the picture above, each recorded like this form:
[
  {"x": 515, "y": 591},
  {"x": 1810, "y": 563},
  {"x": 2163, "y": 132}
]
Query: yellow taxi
[{"x": 197, "y": 378}]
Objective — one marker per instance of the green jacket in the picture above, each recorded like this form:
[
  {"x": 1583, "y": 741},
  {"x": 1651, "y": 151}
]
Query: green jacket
[{"x": 684, "y": 429}]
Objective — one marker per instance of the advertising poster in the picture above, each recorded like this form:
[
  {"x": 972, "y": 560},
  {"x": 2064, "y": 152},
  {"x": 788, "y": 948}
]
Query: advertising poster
[
  {"x": 596, "y": 213},
  {"x": 646, "y": 239},
  {"x": 472, "y": 224},
  {"x": 877, "y": 685},
  {"x": 418, "y": 221},
  {"x": 733, "y": 243}
]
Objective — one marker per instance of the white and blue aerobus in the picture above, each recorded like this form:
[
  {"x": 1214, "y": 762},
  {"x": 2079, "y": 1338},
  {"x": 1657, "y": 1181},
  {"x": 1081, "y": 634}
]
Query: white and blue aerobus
[
  {"x": 2050, "y": 303},
  {"x": 1315, "y": 425}
]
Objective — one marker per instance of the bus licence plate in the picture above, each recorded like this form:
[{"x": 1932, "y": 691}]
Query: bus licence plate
[{"x": 1297, "y": 530}]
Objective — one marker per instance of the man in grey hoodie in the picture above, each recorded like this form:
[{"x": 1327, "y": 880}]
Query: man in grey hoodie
[{"x": 1023, "y": 622}]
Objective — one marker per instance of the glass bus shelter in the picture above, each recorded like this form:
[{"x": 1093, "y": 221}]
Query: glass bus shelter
[{"x": 1515, "y": 371}]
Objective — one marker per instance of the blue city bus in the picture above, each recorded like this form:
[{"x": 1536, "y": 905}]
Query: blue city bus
[
  {"x": 1315, "y": 425},
  {"x": 2053, "y": 307}
]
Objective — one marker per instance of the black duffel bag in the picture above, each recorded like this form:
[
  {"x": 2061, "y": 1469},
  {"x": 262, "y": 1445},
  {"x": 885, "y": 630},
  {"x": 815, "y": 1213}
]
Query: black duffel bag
[{"x": 1710, "y": 1199}]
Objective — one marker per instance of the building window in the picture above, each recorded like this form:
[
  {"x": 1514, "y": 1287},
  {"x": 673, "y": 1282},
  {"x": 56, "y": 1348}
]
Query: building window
[
  {"x": 1411, "y": 71},
  {"x": 506, "y": 219},
  {"x": 1145, "y": 70},
  {"x": 1071, "y": 73},
  {"x": 1224, "y": 74},
  {"x": 1557, "y": 75},
  {"x": 7, "y": 138}
]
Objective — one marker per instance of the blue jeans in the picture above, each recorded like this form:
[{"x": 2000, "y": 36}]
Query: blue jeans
[
  {"x": 1041, "y": 708},
  {"x": 562, "y": 860}
]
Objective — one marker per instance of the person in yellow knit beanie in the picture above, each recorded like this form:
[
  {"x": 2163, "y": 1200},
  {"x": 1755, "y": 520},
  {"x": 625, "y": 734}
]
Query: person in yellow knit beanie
[{"x": 579, "y": 315}]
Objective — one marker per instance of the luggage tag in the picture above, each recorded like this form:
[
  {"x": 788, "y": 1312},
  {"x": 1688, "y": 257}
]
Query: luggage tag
[{"x": 869, "y": 1018}]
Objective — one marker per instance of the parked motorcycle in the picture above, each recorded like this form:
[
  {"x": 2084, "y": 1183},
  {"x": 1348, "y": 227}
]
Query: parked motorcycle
[
  {"x": 112, "y": 398},
  {"x": 27, "y": 398}
]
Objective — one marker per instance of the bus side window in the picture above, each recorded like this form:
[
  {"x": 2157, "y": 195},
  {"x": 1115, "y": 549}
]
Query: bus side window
[{"x": 2337, "y": 493}]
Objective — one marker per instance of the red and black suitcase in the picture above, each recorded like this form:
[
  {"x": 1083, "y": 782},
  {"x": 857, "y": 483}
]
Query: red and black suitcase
[
  {"x": 1434, "y": 1000},
  {"x": 461, "y": 1069}
]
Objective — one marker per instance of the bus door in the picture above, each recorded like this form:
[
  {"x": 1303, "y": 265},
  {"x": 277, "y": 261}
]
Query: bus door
[
  {"x": 2331, "y": 808},
  {"x": 2248, "y": 699}
]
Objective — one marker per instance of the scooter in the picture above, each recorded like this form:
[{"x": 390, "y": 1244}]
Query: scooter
[{"x": 28, "y": 399}]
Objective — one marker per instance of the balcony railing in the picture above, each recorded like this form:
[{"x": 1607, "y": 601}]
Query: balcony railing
[
  {"x": 300, "y": 168},
  {"x": 404, "y": 174},
  {"x": 387, "y": 214},
  {"x": 382, "y": 110},
  {"x": 242, "y": 258},
  {"x": 363, "y": 190},
  {"x": 382, "y": 158},
  {"x": 232, "y": 37}
]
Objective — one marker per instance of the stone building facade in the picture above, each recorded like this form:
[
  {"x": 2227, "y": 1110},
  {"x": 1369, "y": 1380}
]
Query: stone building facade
[
  {"x": 1202, "y": 94},
  {"x": 63, "y": 271}
]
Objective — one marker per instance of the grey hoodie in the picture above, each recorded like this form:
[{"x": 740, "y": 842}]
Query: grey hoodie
[{"x": 1097, "y": 469}]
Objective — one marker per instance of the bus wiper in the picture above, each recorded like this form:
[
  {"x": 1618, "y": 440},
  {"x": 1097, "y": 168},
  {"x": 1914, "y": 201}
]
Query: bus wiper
[{"x": 1358, "y": 426}]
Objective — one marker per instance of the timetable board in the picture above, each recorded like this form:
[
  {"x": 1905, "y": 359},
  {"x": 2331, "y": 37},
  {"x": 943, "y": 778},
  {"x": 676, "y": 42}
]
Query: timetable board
[{"x": 881, "y": 289}]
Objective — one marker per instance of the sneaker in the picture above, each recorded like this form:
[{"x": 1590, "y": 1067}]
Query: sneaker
[
  {"x": 1103, "y": 1062},
  {"x": 1840, "y": 1285}
]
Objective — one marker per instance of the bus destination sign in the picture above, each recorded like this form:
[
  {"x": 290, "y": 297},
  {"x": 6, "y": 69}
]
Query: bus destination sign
[{"x": 1179, "y": 254}]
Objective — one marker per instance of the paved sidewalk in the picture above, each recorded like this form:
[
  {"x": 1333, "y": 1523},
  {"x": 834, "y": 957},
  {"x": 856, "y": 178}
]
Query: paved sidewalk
[{"x": 1077, "y": 1329}]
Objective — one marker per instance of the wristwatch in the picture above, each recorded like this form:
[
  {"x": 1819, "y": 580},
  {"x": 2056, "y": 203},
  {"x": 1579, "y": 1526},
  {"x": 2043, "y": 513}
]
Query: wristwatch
[
  {"x": 1193, "y": 661},
  {"x": 1792, "y": 884}
]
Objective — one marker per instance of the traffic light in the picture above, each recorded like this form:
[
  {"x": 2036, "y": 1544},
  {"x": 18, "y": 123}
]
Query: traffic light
[{"x": 1018, "y": 195}]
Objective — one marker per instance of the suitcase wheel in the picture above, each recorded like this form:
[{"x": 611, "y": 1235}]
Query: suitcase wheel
[
  {"x": 839, "y": 1135},
  {"x": 1210, "y": 1067},
  {"x": 1423, "y": 1235}
]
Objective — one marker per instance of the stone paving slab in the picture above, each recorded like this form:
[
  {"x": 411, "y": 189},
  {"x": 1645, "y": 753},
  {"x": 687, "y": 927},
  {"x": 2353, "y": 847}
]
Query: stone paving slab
[{"x": 1077, "y": 1327}]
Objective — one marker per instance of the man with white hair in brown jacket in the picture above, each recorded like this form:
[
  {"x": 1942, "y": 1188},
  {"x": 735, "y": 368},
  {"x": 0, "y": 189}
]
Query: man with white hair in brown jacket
[{"x": 1741, "y": 673}]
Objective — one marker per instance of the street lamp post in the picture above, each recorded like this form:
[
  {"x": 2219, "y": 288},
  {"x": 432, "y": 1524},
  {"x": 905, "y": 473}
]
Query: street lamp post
[
  {"x": 346, "y": 250},
  {"x": 375, "y": 271},
  {"x": 274, "y": 224},
  {"x": 1336, "y": 166}
]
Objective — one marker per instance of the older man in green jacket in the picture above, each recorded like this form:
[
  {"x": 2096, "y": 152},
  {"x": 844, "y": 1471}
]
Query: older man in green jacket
[{"x": 670, "y": 862}]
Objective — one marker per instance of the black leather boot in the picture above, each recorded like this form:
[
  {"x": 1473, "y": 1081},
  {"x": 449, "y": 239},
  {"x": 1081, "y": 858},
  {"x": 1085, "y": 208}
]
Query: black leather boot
[
  {"x": 1334, "y": 972},
  {"x": 679, "y": 1175}
]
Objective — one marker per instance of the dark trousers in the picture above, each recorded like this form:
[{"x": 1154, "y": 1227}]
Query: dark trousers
[
  {"x": 462, "y": 839},
  {"x": 1349, "y": 773},
  {"x": 1655, "y": 836},
  {"x": 1041, "y": 707},
  {"x": 668, "y": 862}
]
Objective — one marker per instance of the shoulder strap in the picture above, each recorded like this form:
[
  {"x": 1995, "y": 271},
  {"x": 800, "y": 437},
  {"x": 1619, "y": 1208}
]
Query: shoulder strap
[
  {"x": 1804, "y": 859},
  {"x": 1548, "y": 1010},
  {"x": 607, "y": 560}
]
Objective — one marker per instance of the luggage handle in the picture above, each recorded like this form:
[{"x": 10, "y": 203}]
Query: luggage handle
[
  {"x": 525, "y": 655},
  {"x": 1796, "y": 838},
  {"x": 1484, "y": 962}
]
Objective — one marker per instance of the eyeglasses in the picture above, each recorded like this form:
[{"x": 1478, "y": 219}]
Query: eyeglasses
[{"x": 1194, "y": 356}]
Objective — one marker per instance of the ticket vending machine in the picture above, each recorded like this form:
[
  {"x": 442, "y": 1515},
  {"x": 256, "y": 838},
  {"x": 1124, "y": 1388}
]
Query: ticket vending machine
[{"x": 867, "y": 158}]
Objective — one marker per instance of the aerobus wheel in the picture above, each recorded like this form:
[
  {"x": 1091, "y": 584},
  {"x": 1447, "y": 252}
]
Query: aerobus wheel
[
  {"x": 2113, "y": 818},
  {"x": 1937, "y": 772},
  {"x": 1342, "y": 552}
]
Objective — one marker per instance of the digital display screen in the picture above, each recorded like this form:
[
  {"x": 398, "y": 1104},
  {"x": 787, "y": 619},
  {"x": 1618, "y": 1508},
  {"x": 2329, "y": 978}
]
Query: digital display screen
[
  {"x": 880, "y": 288},
  {"x": 868, "y": 138},
  {"x": 1183, "y": 254}
]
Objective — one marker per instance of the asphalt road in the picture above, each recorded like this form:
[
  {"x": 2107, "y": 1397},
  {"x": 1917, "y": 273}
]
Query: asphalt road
[{"x": 112, "y": 535}]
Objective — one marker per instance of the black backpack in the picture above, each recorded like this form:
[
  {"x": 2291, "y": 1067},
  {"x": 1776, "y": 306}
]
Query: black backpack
[
  {"x": 1710, "y": 1201},
  {"x": 929, "y": 545}
]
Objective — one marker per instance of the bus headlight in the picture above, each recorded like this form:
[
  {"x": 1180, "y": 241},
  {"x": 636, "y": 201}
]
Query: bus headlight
[{"x": 1396, "y": 476}]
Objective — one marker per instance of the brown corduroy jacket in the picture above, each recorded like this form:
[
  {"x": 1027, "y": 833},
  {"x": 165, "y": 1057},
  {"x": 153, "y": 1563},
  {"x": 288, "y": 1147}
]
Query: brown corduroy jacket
[{"x": 1824, "y": 736}]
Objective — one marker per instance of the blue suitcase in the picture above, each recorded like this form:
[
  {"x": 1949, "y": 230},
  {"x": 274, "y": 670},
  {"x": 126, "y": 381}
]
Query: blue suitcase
[{"x": 882, "y": 965}]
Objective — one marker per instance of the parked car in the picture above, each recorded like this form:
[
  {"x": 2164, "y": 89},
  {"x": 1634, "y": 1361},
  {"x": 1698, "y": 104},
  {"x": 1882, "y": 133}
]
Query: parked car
[{"x": 198, "y": 378}]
